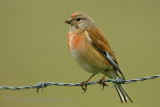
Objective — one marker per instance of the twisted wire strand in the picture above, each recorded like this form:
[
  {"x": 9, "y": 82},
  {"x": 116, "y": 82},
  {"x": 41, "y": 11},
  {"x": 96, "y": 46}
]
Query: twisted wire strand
[{"x": 45, "y": 84}]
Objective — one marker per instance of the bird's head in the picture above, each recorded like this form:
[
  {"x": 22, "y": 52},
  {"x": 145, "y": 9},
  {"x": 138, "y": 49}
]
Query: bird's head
[{"x": 80, "y": 21}]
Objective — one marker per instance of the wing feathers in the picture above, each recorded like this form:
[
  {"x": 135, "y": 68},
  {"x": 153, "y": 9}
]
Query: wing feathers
[{"x": 100, "y": 43}]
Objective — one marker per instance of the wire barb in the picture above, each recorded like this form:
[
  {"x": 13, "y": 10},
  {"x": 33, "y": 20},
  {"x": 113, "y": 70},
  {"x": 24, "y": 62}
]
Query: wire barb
[{"x": 42, "y": 85}]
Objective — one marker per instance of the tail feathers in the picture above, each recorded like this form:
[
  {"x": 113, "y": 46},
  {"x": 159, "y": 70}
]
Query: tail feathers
[
  {"x": 122, "y": 93},
  {"x": 120, "y": 89}
]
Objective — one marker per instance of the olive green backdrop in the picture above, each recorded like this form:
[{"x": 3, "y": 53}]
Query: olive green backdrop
[{"x": 34, "y": 48}]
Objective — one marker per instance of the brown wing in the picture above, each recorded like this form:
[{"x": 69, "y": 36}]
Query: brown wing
[{"x": 101, "y": 44}]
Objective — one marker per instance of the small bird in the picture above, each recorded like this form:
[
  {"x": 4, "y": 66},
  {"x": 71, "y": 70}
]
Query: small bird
[{"x": 91, "y": 50}]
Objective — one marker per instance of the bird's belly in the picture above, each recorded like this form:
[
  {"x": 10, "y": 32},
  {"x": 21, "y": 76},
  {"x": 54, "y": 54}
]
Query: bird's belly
[{"x": 89, "y": 58}]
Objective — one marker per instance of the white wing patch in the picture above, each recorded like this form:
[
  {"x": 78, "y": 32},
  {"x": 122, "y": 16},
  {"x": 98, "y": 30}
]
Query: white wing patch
[{"x": 90, "y": 40}]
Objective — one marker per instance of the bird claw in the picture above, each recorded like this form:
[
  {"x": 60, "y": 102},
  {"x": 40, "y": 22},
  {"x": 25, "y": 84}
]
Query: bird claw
[
  {"x": 84, "y": 86},
  {"x": 101, "y": 82}
]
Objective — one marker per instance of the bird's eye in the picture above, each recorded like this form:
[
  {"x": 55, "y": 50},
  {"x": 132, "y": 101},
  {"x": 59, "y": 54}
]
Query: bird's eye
[{"x": 78, "y": 19}]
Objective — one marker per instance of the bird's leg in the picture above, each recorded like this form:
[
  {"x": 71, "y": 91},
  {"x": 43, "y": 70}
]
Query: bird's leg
[
  {"x": 101, "y": 81},
  {"x": 84, "y": 83}
]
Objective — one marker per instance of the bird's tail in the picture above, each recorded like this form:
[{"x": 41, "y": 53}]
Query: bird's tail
[
  {"x": 119, "y": 87},
  {"x": 122, "y": 93}
]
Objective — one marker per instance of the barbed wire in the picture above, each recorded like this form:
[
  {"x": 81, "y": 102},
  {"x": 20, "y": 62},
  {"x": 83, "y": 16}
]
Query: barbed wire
[{"x": 42, "y": 85}]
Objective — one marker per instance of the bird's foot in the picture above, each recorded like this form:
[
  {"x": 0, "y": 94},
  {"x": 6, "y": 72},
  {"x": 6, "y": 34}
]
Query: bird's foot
[
  {"x": 84, "y": 83},
  {"x": 84, "y": 86},
  {"x": 101, "y": 82}
]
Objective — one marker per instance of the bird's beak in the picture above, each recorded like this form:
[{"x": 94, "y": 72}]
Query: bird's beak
[{"x": 69, "y": 21}]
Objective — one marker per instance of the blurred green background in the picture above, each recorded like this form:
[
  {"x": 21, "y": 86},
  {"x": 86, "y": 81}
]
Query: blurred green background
[{"x": 34, "y": 48}]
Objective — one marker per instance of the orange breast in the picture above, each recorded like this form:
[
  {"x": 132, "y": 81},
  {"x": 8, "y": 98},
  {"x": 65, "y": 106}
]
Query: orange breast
[
  {"x": 74, "y": 40},
  {"x": 69, "y": 36}
]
